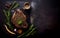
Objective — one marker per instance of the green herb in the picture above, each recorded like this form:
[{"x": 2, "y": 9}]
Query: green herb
[
  {"x": 12, "y": 5},
  {"x": 5, "y": 13},
  {"x": 30, "y": 30},
  {"x": 20, "y": 22},
  {"x": 9, "y": 25},
  {"x": 16, "y": 5},
  {"x": 8, "y": 13}
]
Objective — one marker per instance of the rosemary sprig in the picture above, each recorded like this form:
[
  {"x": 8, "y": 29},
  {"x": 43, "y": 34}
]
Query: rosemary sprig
[
  {"x": 8, "y": 13},
  {"x": 27, "y": 33},
  {"x": 16, "y": 5}
]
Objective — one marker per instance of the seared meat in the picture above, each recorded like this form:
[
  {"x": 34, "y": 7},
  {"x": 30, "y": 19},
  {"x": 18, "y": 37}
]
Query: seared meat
[{"x": 19, "y": 19}]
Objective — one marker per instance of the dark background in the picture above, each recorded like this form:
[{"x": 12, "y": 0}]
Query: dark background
[{"x": 46, "y": 17}]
